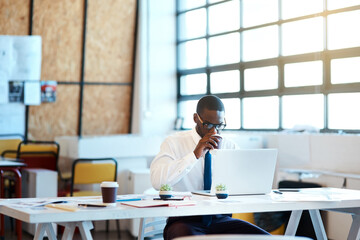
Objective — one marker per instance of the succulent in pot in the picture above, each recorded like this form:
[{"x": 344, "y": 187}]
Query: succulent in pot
[
  {"x": 221, "y": 191},
  {"x": 165, "y": 191}
]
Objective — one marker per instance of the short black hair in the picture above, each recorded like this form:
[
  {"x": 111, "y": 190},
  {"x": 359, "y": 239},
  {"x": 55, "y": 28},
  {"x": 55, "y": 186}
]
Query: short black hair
[{"x": 210, "y": 102}]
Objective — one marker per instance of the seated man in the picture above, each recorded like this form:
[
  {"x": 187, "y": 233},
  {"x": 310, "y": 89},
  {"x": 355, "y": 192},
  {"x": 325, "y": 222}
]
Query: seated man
[{"x": 181, "y": 163}]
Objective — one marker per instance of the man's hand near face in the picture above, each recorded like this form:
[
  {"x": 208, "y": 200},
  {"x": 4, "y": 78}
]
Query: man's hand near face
[{"x": 210, "y": 141}]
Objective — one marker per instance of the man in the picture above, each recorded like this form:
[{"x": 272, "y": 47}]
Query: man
[{"x": 180, "y": 163}]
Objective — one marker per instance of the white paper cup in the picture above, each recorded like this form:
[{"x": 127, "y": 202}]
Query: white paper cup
[{"x": 109, "y": 192}]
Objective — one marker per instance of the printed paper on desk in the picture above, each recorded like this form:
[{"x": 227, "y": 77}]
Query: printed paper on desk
[
  {"x": 157, "y": 203},
  {"x": 301, "y": 197}
]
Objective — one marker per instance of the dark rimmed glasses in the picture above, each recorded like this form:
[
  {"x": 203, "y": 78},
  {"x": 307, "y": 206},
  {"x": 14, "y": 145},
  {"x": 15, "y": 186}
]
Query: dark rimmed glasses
[{"x": 209, "y": 126}]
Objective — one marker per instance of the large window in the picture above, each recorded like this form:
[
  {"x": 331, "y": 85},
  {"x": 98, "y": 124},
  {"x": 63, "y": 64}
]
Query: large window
[{"x": 276, "y": 64}]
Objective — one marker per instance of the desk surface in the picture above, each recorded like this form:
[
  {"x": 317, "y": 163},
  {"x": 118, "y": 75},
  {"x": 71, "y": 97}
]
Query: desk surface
[
  {"x": 325, "y": 198},
  {"x": 7, "y": 163}
]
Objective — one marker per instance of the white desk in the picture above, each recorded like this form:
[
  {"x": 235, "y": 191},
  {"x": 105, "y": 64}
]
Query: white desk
[{"x": 341, "y": 200}]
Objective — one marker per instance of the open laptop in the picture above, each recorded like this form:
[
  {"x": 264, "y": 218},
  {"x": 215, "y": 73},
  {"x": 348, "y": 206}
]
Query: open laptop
[{"x": 243, "y": 171}]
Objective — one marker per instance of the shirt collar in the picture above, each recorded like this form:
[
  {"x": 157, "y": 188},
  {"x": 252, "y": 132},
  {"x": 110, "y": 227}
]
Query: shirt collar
[{"x": 195, "y": 136}]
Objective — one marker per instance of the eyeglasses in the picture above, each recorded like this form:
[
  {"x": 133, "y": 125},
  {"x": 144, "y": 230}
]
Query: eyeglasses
[{"x": 209, "y": 126}]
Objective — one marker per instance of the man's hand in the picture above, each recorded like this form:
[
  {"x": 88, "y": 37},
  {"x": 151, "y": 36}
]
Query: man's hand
[{"x": 210, "y": 141}]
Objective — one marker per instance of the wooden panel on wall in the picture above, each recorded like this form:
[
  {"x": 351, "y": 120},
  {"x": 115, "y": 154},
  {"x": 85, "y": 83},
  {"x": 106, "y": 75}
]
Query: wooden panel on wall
[
  {"x": 106, "y": 110},
  {"x": 110, "y": 40},
  {"x": 56, "y": 119},
  {"x": 14, "y": 17},
  {"x": 60, "y": 24}
]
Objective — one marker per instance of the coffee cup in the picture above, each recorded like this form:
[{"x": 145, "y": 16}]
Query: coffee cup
[{"x": 109, "y": 192}]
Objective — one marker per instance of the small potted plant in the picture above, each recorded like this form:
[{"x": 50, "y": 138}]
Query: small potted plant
[
  {"x": 165, "y": 191},
  {"x": 221, "y": 191}
]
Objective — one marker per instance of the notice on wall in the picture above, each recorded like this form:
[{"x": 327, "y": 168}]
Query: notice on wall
[{"x": 20, "y": 74}]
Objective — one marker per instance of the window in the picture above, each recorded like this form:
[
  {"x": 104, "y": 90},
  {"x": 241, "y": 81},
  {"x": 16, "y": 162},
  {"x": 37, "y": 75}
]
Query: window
[{"x": 276, "y": 64}]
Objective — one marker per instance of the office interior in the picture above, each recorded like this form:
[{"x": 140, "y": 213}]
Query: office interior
[{"x": 115, "y": 63}]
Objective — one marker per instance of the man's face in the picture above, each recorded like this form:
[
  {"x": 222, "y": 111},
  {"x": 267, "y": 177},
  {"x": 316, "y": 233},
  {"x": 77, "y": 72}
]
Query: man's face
[{"x": 208, "y": 117}]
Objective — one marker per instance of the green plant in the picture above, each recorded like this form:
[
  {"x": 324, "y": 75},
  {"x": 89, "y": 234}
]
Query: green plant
[
  {"x": 220, "y": 187},
  {"x": 165, "y": 187}
]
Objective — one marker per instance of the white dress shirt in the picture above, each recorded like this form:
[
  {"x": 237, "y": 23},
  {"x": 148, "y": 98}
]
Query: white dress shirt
[{"x": 177, "y": 165}]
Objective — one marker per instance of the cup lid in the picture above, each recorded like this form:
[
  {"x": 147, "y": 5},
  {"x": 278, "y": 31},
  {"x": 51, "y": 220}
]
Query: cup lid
[{"x": 109, "y": 184}]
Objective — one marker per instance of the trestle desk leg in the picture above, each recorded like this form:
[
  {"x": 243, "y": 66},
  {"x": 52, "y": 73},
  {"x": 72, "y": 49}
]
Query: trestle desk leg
[
  {"x": 318, "y": 224},
  {"x": 354, "y": 233},
  {"x": 84, "y": 228},
  {"x": 42, "y": 228},
  {"x": 293, "y": 222}
]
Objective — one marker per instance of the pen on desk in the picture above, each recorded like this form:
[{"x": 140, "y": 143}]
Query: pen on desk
[
  {"x": 276, "y": 191},
  {"x": 90, "y": 205},
  {"x": 169, "y": 199},
  {"x": 61, "y": 201}
]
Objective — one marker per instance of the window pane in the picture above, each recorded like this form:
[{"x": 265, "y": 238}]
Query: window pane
[
  {"x": 189, "y": 4},
  {"x": 232, "y": 112},
  {"x": 224, "y": 17},
  {"x": 340, "y": 115},
  {"x": 261, "y": 112},
  {"x": 258, "y": 12},
  {"x": 224, "y": 49},
  {"x": 193, "y": 84},
  {"x": 192, "y": 24},
  {"x": 345, "y": 70},
  {"x": 192, "y": 54},
  {"x": 343, "y": 32},
  {"x": 261, "y": 78},
  {"x": 222, "y": 82},
  {"x": 303, "y": 110},
  {"x": 261, "y": 43},
  {"x": 186, "y": 111},
  {"x": 303, "y": 36},
  {"x": 335, "y": 4},
  {"x": 303, "y": 74},
  {"x": 295, "y": 8}
]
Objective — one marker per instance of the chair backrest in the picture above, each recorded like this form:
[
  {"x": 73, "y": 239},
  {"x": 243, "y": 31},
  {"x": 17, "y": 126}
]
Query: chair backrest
[
  {"x": 151, "y": 227},
  {"x": 39, "y": 154},
  {"x": 241, "y": 237},
  {"x": 92, "y": 171},
  {"x": 9, "y": 146}
]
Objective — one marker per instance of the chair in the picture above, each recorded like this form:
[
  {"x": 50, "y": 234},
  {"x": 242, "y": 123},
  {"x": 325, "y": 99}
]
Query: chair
[
  {"x": 89, "y": 171},
  {"x": 277, "y": 226},
  {"x": 240, "y": 237},
  {"x": 151, "y": 227}
]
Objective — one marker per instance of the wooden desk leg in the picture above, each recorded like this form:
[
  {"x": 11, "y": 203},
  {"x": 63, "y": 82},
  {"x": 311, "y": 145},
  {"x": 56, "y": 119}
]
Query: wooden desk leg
[
  {"x": 354, "y": 233},
  {"x": 293, "y": 222},
  {"x": 318, "y": 224},
  {"x": 42, "y": 228}
]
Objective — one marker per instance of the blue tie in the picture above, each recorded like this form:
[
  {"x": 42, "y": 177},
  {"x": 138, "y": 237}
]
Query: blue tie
[
  {"x": 207, "y": 184},
  {"x": 207, "y": 171}
]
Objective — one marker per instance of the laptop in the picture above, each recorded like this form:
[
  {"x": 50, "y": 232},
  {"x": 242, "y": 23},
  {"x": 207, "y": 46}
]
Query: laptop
[{"x": 243, "y": 171}]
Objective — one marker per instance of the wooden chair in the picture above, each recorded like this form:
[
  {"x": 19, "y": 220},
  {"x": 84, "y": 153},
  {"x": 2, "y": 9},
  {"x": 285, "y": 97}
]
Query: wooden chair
[{"x": 90, "y": 171}]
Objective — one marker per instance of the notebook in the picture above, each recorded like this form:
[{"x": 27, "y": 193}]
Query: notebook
[{"x": 243, "y": 171}]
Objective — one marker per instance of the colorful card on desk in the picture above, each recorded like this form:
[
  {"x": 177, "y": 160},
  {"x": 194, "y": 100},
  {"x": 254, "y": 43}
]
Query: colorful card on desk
[{"x": 159, "y": 203}]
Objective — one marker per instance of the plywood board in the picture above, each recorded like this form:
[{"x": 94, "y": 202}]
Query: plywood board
[
  {"x": 60, "y": 24},
  {"x": 14, "y": 17},
  {"x": 106, "y": 110},
  {"x": 56, "y": 119},
  {"x": 109, "y": 40}
]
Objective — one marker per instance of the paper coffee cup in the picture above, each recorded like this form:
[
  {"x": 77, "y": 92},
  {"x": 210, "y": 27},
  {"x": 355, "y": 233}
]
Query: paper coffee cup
[{"x": 109, "y": 192}]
